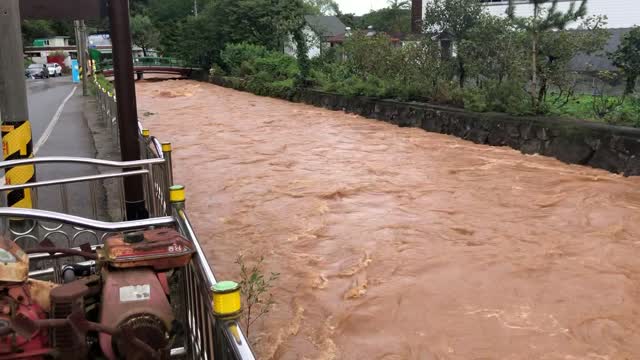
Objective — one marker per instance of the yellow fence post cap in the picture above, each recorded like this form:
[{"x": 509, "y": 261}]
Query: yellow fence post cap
[
  {"x": 226, "y": 299},
  {"x": 176, "y": 193},
  {"x": 145, "y": 132},
  {"x": 166, "y": 147}
]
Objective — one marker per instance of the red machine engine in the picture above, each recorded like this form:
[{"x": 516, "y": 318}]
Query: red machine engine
[
  {"x": 40, "y": 320},
  {"x": 16, "y": 300},
  {"x": 134, "y": 295},
  {"x": 20, "y": 297}
]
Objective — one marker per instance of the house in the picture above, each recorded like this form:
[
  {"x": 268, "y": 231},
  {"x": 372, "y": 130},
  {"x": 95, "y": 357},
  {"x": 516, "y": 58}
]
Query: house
[
  {"x": 321, "y": 32},
  {"x": 599, "y": 61},
  {"x": 620, "y": 13},
  {"x": 41, "y": 49},
  {"x": 102, "y": 43}
]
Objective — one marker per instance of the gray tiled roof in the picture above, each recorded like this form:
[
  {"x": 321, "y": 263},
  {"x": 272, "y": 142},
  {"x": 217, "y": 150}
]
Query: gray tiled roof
[
  {"x": 326, "y": 26},
  {"x": 600, "y": 61}
]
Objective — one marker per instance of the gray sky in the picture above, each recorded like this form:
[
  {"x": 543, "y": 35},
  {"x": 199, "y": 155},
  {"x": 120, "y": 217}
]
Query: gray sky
[{"x": 360, "y": 7}]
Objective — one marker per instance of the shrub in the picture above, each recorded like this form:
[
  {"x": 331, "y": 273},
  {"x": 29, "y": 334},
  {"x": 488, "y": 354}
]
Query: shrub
[
  {"x": 256, "y": 291},
  {"x": 506, "y": 96},
  {"x": 238, "y": 57}
]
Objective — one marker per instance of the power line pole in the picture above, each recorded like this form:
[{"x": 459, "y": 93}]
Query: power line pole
[
  {"x": 81, "y": 49},
  {"x": 85, "y": 60},
  {"x": 14, "y": 110},
  {"x": 127, "y": 107}
]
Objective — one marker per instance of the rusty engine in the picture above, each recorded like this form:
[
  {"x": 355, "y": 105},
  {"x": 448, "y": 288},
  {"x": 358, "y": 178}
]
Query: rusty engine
[{"x": 120, "y": 310}]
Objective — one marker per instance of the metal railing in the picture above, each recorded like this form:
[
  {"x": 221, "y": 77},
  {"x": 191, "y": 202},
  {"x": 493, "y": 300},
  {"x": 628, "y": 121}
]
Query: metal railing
[
  {"x": 207, "y": 337},
  {"x": 107, "y": 64}
]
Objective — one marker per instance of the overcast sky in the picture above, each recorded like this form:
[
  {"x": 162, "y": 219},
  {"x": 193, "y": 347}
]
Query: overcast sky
[{"x": 360, "y": 7}]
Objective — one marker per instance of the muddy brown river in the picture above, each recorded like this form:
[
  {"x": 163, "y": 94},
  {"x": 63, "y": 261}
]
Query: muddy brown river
[{"x": 395, "y": 243}]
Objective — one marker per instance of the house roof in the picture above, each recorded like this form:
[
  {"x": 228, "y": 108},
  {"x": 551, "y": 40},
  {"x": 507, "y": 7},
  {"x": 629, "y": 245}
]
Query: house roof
[
  {"x": 326, "y": 26},
  {"x": 600, "y": 61}
]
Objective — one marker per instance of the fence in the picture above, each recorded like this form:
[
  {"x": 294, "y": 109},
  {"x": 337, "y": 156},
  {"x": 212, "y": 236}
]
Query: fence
[
  {"x": 206, "y": 336},
  {"x": 107, "y": 64}
]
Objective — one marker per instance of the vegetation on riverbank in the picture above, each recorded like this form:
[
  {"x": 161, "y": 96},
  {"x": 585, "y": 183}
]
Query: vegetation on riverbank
[{"x": 521, "y": 66}]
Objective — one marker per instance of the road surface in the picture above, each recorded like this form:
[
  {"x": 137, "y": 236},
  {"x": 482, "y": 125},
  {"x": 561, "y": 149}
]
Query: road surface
[{"x": 58, "y": 114}]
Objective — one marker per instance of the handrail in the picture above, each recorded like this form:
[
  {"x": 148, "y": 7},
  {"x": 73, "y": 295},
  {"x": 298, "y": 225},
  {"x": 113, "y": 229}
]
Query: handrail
[
  {"x": 231, "y": 328},
  {"x": 78, "y": 160},
  {"x": 72, "y": 180},
  {"x": 184, "y": 223},
  {"x": 36, "y": 214}
]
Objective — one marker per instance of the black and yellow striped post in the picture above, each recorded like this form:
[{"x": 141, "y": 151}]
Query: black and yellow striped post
[
  {"x": 17, "y": 144},
  {"x": 14, "y": 110}
]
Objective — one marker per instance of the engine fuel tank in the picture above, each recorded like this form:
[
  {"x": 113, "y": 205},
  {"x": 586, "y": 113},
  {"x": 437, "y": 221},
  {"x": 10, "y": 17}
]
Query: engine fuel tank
[{"x": 161, "y": 249}]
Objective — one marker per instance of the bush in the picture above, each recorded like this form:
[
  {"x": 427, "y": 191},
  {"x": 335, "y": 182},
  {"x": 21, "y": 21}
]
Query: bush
[
  {"x": 627, "y": 113},
  {"x": 506, "y": 96},
  {"x": 238, "y": 57},
  {"x": 263, "y": 72}
]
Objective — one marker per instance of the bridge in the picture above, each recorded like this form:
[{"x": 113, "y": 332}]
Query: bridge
[{"x": 151, "y": 65}]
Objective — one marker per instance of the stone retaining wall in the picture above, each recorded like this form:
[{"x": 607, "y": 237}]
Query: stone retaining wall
[{"x": 613, "y": 148}]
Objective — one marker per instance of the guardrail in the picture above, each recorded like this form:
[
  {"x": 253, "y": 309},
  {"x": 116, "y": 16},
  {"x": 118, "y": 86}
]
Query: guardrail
[
  {"x": 147, "y": 62},
  {"x": 206, "y": 336}
]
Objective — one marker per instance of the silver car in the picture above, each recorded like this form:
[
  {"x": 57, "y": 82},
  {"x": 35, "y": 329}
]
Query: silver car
[{"x": 37, "y": 71}]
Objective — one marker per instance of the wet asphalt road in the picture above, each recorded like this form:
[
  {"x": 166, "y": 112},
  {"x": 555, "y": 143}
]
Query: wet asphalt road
[{"x": 69, "y": 136}]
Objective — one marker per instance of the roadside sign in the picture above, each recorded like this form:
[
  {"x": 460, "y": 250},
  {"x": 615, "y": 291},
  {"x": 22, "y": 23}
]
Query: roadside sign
[{"x": 75, "y": 71}]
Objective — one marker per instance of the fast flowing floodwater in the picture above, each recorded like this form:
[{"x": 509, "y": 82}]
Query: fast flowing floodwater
[{"x": 395, "y": 243}]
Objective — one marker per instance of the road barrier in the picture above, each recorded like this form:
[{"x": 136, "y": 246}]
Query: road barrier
[
  {"x": 208, "y": 335},
  {"x": 17, "y": 144}
]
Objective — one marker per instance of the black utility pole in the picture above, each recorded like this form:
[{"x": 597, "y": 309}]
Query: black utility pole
[{"x": 127, "y": 107}]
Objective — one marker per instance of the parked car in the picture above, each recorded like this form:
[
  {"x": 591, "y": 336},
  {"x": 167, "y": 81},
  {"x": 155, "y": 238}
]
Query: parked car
[
  {"x": 54, "y": 69},
  {"x": 37, "y": 71}
]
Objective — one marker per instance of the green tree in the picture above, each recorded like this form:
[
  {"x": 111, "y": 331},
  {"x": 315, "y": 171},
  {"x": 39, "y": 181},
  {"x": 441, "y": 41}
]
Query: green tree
[
  {"x": 261, "y": 22},
  {"x": 627, "y": 58},
  {"x": 389, "y": 20},
  {"x": 321, "y": 7},
  {"x": 399, "y": 4},
  {"x": 144, "y": 33},
  {"x": 557, "y": 49},
  {"x": 543, "y": 19},
  {"x": 456, "y": 17},
  {"x": 494, "y": 50},
  {"x": 169, "y": 11},
  {"x": 34, "y": 29}
]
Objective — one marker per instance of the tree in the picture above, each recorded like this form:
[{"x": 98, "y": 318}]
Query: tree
[
  {"x": 33, "y": 29},
  {"x": 389, "y": 20},
  {"x": 543, "y": 19},
  {"x": 556, "y": 49},
  {"x": 321, "y": 7},
  {"x": 260, "y": 22},
  {"x": 627, "y": 59},
  {"x": 399, "y": 4},
  {"x": 458, "y": 18},
  {"x": 494, "y": 51},
  {"x": 170, "y": 11},
  {"x": 143, "y": 33}
]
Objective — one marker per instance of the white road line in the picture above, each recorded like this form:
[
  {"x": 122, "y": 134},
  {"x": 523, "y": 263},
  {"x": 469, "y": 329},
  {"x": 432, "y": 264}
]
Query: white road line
[{"x": 52, "y": 123}]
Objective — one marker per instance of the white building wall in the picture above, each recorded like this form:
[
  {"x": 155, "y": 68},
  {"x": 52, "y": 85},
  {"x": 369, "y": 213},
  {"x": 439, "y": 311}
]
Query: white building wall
[
  {"x": 313, "y": 43},
  {"x": 620, "y": 13}
]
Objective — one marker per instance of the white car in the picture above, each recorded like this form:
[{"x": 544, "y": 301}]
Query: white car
[{"x": 54, "y": 69}]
